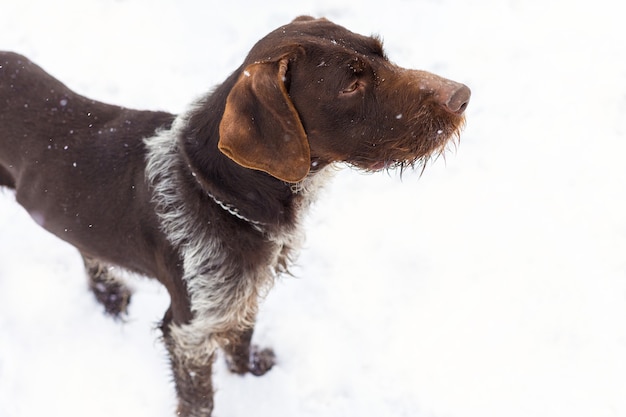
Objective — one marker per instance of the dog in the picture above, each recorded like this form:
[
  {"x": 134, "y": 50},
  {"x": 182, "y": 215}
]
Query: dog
[{"x": 210, "y": 202}]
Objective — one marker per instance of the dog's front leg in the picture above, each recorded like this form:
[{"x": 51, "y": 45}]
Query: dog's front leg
[{"x": 191, "y": 358}]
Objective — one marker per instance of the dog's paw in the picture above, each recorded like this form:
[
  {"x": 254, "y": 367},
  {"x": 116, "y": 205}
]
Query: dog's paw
[
  {"x": 261, "y": 361},
  {"x": 258, "y": 363},
  {"x": 113, "y": 296}
]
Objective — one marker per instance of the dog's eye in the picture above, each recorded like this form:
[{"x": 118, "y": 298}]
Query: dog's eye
[{"x": 352, "y": 88}]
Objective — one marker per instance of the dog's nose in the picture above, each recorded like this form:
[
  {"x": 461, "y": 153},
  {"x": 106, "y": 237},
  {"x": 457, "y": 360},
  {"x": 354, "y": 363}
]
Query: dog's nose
[
  {"x": 452, "y": 96},
  {"x": 455, "y": 97}
]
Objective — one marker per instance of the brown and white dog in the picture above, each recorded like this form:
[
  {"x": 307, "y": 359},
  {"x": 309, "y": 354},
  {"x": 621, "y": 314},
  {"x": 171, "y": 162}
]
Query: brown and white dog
[{"x": 210, "y": 202}]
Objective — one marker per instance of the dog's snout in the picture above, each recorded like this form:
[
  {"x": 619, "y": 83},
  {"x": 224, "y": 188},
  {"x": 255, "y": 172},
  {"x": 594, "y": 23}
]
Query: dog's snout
[
  {"x": 452, "y": 96},
  {"x": 456, "y": 99}
]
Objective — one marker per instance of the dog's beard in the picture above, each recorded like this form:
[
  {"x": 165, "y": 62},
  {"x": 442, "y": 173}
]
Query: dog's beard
[{"x": 413, "y": 151}]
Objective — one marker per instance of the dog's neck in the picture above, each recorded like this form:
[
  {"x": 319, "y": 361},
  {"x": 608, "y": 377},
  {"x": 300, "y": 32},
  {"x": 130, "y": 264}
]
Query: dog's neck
[
  {"x": 253, "y": 195},
  {"x": 235, "y": 212},
  {"x": 228, "y": 207},
  {"x": 302, "y": 192}
]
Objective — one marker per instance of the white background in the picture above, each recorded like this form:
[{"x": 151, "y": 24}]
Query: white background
[{"x": 494, "y": 285}]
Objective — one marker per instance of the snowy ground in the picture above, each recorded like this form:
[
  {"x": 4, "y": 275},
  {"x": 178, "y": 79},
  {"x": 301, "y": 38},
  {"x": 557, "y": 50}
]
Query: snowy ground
[{"x": 494, "y": 285}]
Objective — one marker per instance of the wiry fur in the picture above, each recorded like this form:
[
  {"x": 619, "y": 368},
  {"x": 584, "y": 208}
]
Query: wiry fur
[
  {"x": 223, "y": 293},
  {"x": 222, "y": 300}
]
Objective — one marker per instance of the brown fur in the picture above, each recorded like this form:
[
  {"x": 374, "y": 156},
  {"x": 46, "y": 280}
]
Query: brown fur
[{"x": 210, "y": 202}]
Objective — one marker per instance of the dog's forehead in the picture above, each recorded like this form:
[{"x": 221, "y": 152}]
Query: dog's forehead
[
  {"x": 325, "y": 31},
  {"x": 306, "y": 31}
]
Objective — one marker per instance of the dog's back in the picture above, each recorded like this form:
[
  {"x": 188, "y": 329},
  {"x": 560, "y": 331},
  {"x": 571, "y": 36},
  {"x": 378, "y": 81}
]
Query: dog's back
[{"x": 39, "y": 113}]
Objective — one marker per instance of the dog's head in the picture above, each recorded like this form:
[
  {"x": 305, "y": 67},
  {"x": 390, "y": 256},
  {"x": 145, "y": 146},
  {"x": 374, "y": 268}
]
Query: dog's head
[{"x": 313, "y": 93}]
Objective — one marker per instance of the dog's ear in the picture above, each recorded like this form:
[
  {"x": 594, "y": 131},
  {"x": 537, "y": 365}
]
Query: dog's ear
[{"x": 261, "y": 128}]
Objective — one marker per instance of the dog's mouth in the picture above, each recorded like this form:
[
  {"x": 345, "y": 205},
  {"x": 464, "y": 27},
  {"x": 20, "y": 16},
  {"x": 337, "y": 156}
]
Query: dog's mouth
[{"x": 412, "y": 152}]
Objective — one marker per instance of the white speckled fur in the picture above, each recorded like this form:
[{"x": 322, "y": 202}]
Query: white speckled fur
[{"x": 220, "y": 305}]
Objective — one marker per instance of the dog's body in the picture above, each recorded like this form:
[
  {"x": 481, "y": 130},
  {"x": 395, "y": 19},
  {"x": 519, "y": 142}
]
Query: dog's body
[{"x": 210, "y": 202}]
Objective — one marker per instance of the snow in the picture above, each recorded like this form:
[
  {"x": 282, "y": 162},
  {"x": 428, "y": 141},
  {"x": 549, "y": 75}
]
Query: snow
[{"x": 492, "y": 285}]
